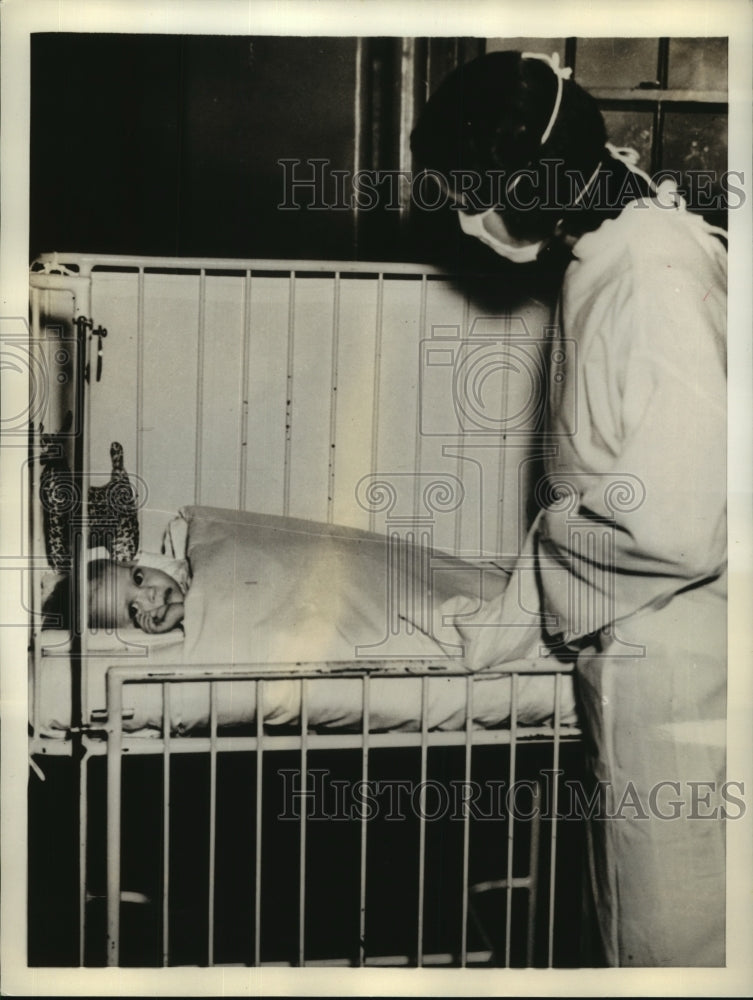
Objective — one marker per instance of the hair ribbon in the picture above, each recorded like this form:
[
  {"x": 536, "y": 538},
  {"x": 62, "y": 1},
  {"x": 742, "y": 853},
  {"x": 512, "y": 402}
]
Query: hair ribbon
[{"x": 562, "y": 73}]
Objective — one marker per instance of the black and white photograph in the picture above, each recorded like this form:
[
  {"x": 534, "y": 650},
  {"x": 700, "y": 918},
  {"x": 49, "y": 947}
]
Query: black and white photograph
[{"x": 376, "y": 498}]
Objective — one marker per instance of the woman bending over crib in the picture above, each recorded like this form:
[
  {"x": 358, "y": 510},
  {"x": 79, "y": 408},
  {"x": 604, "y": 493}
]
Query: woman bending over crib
[
  {"x": 632, "y": 586},
  {"x": 122, "y": 594}
]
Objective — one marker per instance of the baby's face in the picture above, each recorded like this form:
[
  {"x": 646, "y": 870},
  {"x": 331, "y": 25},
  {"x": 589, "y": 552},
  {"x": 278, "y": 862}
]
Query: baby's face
[{"x": 124, "y": 591}]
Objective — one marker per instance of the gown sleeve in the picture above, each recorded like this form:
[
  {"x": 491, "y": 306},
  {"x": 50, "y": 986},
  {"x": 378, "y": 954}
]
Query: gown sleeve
[{"x": 647, "y": 511}]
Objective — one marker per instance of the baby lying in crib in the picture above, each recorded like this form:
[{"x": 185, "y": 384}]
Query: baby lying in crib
[{"x": 126, "y": 593}]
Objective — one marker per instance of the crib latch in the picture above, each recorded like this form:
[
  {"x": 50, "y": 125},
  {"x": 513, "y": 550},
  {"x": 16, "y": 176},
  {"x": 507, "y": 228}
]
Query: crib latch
[{"x": 100, "y": 333}]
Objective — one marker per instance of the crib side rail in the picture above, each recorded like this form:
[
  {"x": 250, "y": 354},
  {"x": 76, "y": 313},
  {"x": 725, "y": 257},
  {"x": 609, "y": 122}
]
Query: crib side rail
[
  {"x": 305, "y": 741},
  {"x": 298, "y": 669}
]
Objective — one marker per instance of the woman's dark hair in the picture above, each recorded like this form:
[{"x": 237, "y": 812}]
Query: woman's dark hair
[{"x": 487, "y": 119}]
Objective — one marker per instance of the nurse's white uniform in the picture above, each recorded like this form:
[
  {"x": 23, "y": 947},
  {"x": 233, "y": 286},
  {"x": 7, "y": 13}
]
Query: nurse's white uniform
[{"x": 631, "y": 553}]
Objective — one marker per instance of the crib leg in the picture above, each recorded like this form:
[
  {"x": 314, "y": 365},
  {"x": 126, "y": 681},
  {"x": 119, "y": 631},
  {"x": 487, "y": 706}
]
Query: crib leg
[
  {"x": 114, "y": 781},
  {"x": 83, "y": 823},
  {"x": 533, "y": 875}
]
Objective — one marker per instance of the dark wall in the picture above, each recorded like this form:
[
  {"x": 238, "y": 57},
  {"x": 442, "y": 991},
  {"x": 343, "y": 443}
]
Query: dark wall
[{"x": 170, "y": 145}]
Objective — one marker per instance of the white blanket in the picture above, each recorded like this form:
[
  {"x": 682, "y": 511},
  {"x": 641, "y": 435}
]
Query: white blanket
[{"x": 270, "y": 590}]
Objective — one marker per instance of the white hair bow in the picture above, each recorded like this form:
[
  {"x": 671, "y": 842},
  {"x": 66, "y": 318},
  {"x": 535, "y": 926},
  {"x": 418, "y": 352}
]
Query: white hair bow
[{"x": 562, "y": 73}]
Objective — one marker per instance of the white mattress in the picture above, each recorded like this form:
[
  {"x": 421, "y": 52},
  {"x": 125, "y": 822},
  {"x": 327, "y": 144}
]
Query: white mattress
[{"x": 333, "y": 702}]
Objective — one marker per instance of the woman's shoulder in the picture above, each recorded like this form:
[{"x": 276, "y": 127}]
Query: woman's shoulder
[
  {"x": 644, "y": 279},
  {"x": 654, "y": 233}
]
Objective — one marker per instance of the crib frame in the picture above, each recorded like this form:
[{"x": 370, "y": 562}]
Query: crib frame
[
  {"x": 94, "y": 735},
  {"x": 118, "y": 743}
]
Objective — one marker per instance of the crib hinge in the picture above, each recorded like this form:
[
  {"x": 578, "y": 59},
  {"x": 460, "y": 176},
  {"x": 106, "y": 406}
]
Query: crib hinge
[{"x": 84, "y": 324}]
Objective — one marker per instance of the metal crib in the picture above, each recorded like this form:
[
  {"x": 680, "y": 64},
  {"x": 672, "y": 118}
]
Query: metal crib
[{"x": 379, "y": 323}]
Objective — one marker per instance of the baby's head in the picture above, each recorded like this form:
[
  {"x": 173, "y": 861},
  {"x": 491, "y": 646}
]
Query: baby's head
[{"x": 122, "y": 594}]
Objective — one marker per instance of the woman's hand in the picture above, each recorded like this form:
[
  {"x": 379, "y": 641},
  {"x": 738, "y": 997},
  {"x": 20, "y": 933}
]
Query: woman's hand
[{"x": 160, "y": 619}]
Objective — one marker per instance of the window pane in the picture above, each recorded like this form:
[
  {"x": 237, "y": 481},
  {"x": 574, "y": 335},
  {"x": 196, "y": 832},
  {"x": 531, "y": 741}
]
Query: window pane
[
  {"x": 698, "y": 64},
  {"x": 697, "y": 142},
  {"x": 616, "y": 62},
  {"x": 632, "y": 128}
]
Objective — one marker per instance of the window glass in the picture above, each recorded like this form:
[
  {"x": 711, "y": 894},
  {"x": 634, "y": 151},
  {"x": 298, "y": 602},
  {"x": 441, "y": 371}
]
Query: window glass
[
  {"x": 695, "y": 142},
  {"x": 616, "y": 62},
  {"x": 698, "y": 64}
]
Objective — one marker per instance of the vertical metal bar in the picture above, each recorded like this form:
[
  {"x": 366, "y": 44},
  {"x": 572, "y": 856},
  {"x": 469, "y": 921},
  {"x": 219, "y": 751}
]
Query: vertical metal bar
[
  {"x": 364, "y": 824},
  {"x": 658, "y": 143},
  {"x": 212, "y": 818},
  {"x": 200, "y": 385},
  {"x": 662, "y": 77},
  {"x": 37, "y": 522},
  {"x": 245, "y": 382},
  {"x": 36, "y": 332},
  {"x": 333, "y": 398},
  {"x": 410, "y": 566},
  {"x": 511, "y": 815},
  {"x": 114, "y": 787},
  {"x": 83, "y": 820},
  {"x": 259, "y": 781},
  {"x": 289, "y": 395},
  {"x": 359, "y": 116},
  {"x": 302, "y": 847},
  {"x": 36, "y": 719},
  {"x": 533, "y": 877},
  {"x": 466, "y": 818},
  {"x": 417, "y": 450},
  {"x": 166, "y": 732},
  {"x": 82, "y": 468},
  {"x": 140, "y": 374},
  {"x": 499, "y": 528},
  {"x": 425, "y": 597},
  {"x": 422, "y": 821},
  {"x": 571, "y": 52},
  {"x": 79, "y": 643},
  {"x": 37, "y": 514},
  {"x": 464, "y": 331},
  {"x": 662, "y": 63},
  {"x": 378, "y": 333},
  {"x": 555, "y": 804},
  {"x": 407, "y": 119}
]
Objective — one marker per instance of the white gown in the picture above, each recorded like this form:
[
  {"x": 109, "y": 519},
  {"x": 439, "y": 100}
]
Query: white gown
[{"x": 628, "y": 561}]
